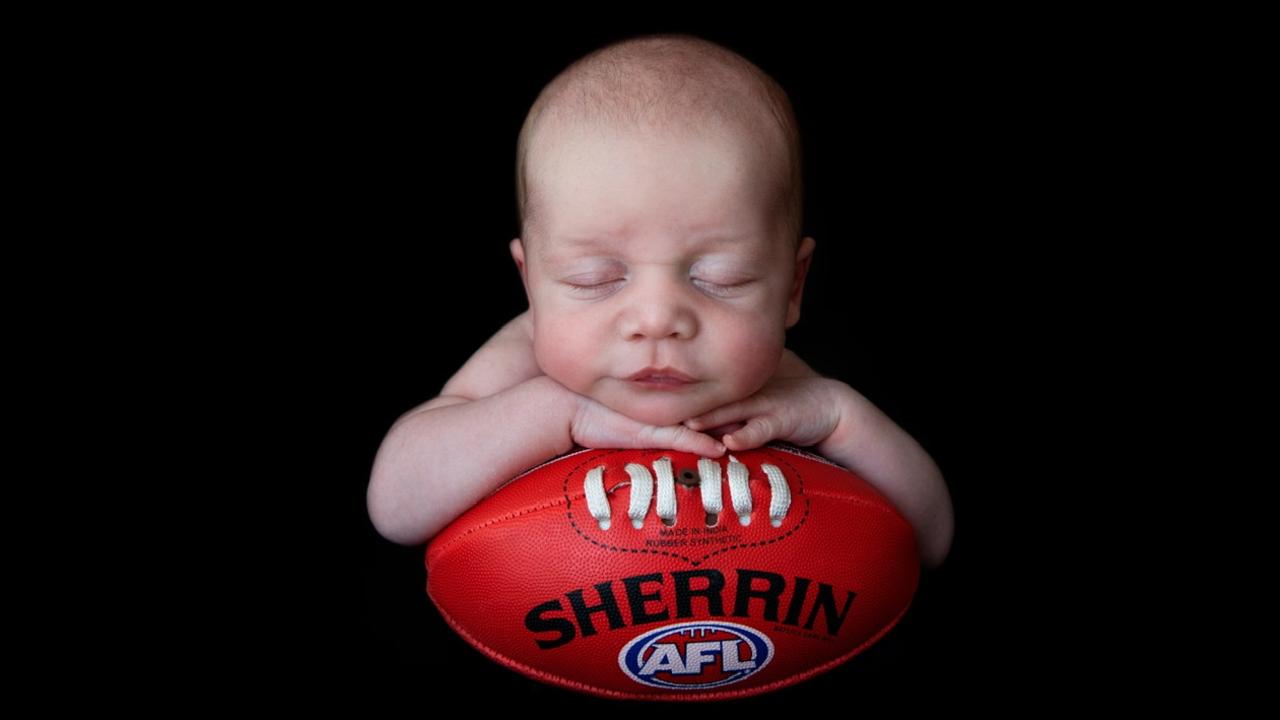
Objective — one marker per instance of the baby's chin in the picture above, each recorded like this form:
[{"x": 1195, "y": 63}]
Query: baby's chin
[
  {"x": 658, "y": 417},
  {"x": 658, "y": 411}
]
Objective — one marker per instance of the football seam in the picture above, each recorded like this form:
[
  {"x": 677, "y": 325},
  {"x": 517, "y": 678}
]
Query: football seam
[
  {"x": 494, "y": 521},
  {"x": 567, "y": 498},
  {"x": 440, "y": 549},
  {"x": 667, "y": 553},
  {"x": 564, "y": 499}
]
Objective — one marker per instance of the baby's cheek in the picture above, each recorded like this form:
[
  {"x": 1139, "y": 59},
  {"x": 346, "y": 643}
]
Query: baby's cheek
[
  {"x": 565, "y": 357},
  {"x": 751, "y": 354}
]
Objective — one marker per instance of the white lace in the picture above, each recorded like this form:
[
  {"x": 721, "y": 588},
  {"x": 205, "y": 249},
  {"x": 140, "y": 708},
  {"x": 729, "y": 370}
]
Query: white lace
[{"x": 642, "y": 482}]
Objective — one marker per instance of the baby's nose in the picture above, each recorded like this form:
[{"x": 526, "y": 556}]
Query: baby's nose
[{"x": 661, "y": 313}]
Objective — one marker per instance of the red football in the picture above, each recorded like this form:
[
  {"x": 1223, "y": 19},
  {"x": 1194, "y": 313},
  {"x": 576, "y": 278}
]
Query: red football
[{"x": 656, "y": 574}]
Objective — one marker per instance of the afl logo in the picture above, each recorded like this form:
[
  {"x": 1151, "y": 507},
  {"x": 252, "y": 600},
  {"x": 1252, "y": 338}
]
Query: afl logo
[{"x": 696, "y": 655}]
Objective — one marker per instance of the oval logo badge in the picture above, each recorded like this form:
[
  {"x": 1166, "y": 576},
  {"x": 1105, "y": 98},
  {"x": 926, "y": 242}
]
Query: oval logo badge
[{"x": 696, "y": 655}]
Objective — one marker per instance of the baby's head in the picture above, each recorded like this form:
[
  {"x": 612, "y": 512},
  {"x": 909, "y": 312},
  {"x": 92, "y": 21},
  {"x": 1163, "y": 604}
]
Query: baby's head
[{"x": 659, "y": 189}]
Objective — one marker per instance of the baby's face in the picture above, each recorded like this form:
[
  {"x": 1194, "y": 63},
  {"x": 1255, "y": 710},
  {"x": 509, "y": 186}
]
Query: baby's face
[{"x": 658, "y": 252}]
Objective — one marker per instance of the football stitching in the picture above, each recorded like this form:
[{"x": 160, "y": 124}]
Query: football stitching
[
  {"x": 667, "y": 553},
  {"x": 567, "y": 500},
  {"x": 645, "y": 551},
  {"x": 494, "y": 521},
  {"x": 513, "y": 515}
]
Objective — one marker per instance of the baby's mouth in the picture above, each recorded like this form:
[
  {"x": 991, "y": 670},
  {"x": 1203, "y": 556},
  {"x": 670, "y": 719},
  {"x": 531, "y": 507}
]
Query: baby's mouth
[
  {"x": 661, "y": 375},
  {"x": 662, "y": 383},
  {"x": 661, "y": 380}
]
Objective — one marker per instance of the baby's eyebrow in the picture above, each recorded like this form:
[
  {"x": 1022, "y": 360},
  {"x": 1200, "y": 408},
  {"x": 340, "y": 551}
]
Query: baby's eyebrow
[
  {"x": 567, "y": 248},
  {"x": 563, "y": 248},
  {"x": 608, "y": 240},
  {"x": 588, "y": 241},
  {"x": 593, "y": 237}
]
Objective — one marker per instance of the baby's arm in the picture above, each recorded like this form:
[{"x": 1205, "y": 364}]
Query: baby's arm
[
  {"x": 498, "y": 416},
  {"x": 799, "y": 405},
  {"x": 875, "y": 447}
]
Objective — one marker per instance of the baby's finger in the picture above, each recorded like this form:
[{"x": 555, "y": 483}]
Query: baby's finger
[
  {"x": 724, "y": 415},
  {"x": 722, "y": 430},
  {"x": 758, "y": 431},
  {"x": 681, "y": 438}
]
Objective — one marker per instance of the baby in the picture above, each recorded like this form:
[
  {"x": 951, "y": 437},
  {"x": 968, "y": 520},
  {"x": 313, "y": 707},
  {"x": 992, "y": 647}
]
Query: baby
[{"x": 659, "y": 189}]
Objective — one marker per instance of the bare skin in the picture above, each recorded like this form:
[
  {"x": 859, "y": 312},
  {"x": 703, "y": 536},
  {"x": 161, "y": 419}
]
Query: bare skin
[
  {"x": 441, "y": 457},
  {"x": 653, "y": 251}
]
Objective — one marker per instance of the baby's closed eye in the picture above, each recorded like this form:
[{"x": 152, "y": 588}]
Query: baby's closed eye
[{"x": 715, "y": 287}]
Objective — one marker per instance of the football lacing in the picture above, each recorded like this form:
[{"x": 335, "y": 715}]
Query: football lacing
[{"x": 642, "y": 491}]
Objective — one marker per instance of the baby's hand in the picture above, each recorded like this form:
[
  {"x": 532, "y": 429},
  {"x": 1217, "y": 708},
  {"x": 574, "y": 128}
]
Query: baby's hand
[
  {"x": 597, "y": 426},
  {"x": 801, "y": 411}
]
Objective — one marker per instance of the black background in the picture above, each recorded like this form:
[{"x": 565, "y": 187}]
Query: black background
[{"x": 943, "y": 190}]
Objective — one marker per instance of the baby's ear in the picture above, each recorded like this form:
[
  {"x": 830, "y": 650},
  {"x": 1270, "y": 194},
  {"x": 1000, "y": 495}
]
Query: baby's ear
[
  {"x": 804, "y": 254},
  {"x": 517, "y": 254}
]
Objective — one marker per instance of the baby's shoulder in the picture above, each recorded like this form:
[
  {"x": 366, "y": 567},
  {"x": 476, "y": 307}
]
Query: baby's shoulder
[
  {"x": 517, "y": 333},
  {"x": 791, "y": 366},
  {"x": 505, "y": 360},
  {"x": 524, "y": 326}
]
